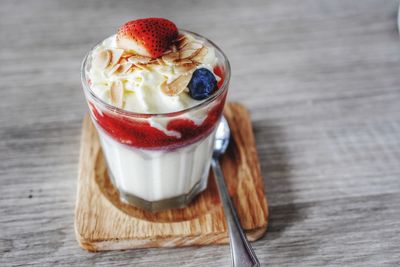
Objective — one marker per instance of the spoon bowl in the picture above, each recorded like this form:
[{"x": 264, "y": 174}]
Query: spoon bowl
[{"x": 222, "y": 137}]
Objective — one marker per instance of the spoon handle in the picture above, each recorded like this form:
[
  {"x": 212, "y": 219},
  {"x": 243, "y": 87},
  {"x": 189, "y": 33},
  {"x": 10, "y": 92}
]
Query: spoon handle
[{"x": 241, "y": 251}]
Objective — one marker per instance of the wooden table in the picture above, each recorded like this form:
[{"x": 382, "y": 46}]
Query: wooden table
[{"x": 320, "y": 77}]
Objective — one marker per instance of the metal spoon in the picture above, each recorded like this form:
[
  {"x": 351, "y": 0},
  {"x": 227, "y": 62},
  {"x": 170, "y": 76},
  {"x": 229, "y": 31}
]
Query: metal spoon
[{"x": 242, "y": 253}]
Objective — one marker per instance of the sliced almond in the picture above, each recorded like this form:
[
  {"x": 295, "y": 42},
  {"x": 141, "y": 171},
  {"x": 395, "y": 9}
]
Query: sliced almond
[
  {"x": 115, "y": 55},
  {"x": 170, "y": 58},
  {"x": 187, "y": 53},
  {"x": 152, "y": 65},
  {"x": 120, "y": 68},
  {"x": 167, "y": 51},
  {"x": 102, "y": 59},
  {"x": 183, "y": 61},
  {"x": 123, "y": 61},
  {"x": 142, "y": 66},
  {"x": 113, "y": 69},
  {"x": 160, "y": 61},
  {"x": 180, "y": 83},
  {"x": 187, "y": 67},
  {"x": 181, "y": 37},
  {"x": 126, "y": 55},
  {"x": 199, "y": 56},
  {"x": 193, "y": 45},
  {"x": 131, "y": 69},
  {"x": 117, "y": 93},
  {"x": 183, "y": 42},
  {"x": 139, "y": 59},
  {"x": 165, "y": 88},
  {"x": 123, "y": 68},
  {"x": 177, "y": 86}
]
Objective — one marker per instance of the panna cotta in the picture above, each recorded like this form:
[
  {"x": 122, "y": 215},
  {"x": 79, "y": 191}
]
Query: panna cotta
[{"x": 155, "y": 95}]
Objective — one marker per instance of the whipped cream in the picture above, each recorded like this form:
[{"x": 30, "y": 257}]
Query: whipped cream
[{"x": 149, "y": 85}]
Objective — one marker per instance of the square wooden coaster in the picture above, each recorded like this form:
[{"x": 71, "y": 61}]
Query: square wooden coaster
[{"x": 103, "y": 222}]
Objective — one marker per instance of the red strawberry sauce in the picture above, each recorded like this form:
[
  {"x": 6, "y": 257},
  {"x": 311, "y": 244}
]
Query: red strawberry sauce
[{"x": 139, "y": 133}]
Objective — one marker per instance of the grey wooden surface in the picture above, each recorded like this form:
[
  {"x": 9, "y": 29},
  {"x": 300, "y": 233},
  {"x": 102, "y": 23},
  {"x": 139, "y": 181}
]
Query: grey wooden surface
[{"x": 321, "y": 78}]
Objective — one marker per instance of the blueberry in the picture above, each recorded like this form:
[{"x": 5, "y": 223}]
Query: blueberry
[{"x": 202, "y": 84}]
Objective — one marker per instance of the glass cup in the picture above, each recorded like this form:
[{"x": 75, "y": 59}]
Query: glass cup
[{"x": 159, "y": 161}]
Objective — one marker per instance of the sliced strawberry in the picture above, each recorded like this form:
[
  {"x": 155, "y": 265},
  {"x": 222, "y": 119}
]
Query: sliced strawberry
[
  {"x": 220, "y": 73},
  {"x": 148, "y": 37}
]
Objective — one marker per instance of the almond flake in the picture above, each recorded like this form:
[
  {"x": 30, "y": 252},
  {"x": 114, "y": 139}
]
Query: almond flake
[
  {"x": 115, "y": 55},
  {"x": 117, "y": 93},
  {"x": 181, "y": 37},
  {"x": 139, "y": 59},
  {"x": 187, "y": 53},
  {"x": 102, "y": 59},
  {"x": 193, "y": 45},
  {"x": 123, "y": 61},
  {"x": 177, "y": 86},
  {"x": 167, "y": 51},
  {"x": 165, "y": 88},
  {"x": 170, "y": 58},
  {"x": 123, "y": 68},
  {"x": 160, "y": 61},
  {"x": 183, "y": 42},
  {"x": 131, "y": 69},
  {"x": 199, "y": 56},
  {"x": 113, "y": 69},
  {"x": 126, "y": 55},
  {"x": 141, "y": 66},
  {"x": 183, "y": 61},
  {"x": 120, "y": 68},
  {"x": 185, "y": 67}
]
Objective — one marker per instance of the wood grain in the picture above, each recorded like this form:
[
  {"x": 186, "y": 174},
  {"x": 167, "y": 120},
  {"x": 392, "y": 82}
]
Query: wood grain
[
  {"x": 321, "y": 80},
  {"x": 103, "y": 222}
]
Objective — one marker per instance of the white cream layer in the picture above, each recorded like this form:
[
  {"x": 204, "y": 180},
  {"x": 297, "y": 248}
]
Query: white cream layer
[{"x": 155, "y": 175}]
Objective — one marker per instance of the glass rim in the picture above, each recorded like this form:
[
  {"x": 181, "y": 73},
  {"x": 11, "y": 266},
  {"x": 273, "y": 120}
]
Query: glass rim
[{"x": 121, "y": 111}]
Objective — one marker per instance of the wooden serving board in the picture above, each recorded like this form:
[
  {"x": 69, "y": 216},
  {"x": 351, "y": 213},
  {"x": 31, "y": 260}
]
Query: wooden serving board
[{"x": 103, "y": 222}]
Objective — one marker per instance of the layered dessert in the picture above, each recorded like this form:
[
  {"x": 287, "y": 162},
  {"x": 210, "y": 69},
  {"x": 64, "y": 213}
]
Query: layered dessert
[{"x": 156, "y": 94}]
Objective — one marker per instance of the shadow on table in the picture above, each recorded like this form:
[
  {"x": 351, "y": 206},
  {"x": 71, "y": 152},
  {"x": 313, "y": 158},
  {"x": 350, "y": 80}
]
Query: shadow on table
[{"x": 275, "y": 168}]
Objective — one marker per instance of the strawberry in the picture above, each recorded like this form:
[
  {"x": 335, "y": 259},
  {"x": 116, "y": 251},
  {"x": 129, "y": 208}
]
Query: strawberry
[{"x": 147, "y": 37}]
